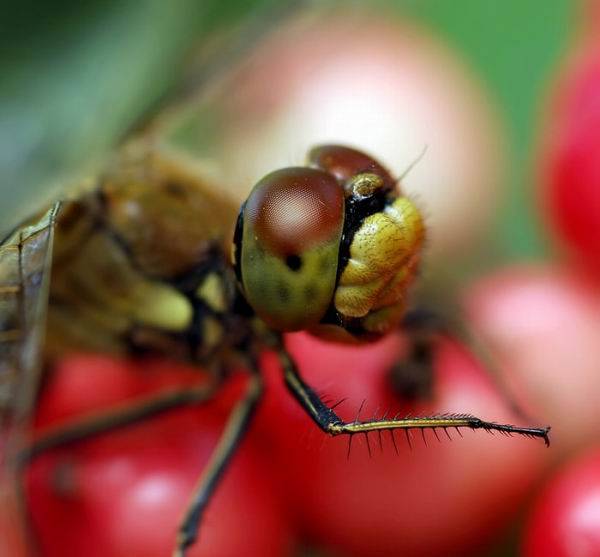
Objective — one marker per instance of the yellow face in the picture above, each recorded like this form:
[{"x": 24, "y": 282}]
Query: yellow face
[{"x": 331, "y": 248}]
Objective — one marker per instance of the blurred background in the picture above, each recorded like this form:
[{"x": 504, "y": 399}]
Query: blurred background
[
  {"x": 488, "y": 112},
  {"x": 77, "y": 76}
]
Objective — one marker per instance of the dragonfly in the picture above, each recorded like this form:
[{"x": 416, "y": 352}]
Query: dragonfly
[
  {"x": 140, "y": 264},
  {"x": 152, "y": 258}
]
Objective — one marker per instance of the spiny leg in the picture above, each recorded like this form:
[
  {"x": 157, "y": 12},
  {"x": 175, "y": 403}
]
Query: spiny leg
[
  {"x": 331, "y": 423},
  {"x": 236, "y": 427}
]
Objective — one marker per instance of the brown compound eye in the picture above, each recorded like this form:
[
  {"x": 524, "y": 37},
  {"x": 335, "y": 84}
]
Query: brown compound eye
[
  {"x": 293, "y": 209},
  {"x": 291, "y": 228},
  {"x": 345, "y": 163}
]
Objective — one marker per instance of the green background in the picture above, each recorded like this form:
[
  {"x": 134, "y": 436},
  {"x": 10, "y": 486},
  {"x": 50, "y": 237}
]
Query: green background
[
  {"x": 75, "y": 77},
  {"x": 515, "y": 46}
]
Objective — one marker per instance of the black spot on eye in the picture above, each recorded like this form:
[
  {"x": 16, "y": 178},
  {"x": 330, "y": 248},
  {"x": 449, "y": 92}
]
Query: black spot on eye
[
  {"x": 294, "y": 262},
  {"x": 283, "y": 292}
]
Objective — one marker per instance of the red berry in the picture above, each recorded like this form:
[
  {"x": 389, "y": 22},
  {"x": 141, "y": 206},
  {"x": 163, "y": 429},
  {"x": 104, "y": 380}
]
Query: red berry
[
  {"x": 125, "y": 491},
  {"x": 566, "y": 519},
  {"x": 571, "y": 156}
]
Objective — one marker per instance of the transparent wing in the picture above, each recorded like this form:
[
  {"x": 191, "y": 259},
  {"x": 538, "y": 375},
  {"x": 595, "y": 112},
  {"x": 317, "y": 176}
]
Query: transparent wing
[{"x": 25, "y": 264}]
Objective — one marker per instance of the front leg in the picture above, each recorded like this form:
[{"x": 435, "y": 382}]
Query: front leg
[{"x": 331, "y": 423}]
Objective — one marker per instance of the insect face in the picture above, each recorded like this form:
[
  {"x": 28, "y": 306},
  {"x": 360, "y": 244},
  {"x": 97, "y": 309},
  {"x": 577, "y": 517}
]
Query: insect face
[{"x": 332, "y": 249}]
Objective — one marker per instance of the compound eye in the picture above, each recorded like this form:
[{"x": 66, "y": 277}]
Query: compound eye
[
  {"x": 345, "y": 163},
  {"x": 292, "y": 227},
  {"x": 293, "y": 209}
]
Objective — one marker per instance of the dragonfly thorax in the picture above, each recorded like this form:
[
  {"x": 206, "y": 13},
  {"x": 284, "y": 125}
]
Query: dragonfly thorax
[{"x": 140, "y": 267}]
